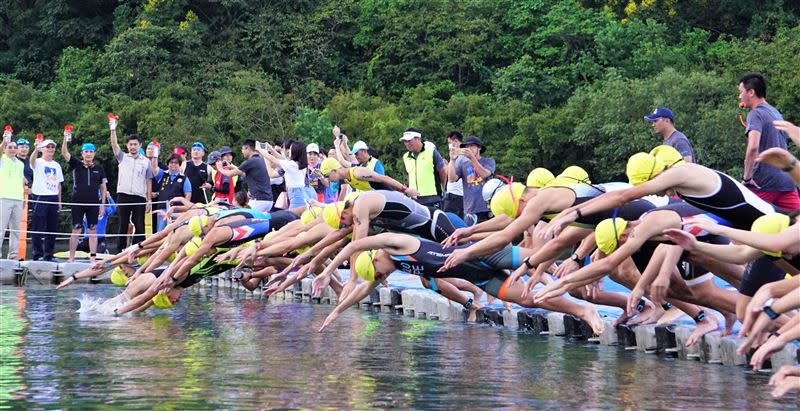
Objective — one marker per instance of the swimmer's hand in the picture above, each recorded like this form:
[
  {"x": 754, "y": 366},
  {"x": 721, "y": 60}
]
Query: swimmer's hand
[
  {"x": 790, "y": 129},
  {"x": 569, "y": 266},
  {"x": 683, "y": 239},
  {"x": 633, "y": 301},
  {"x": 754, "y": 308},
  {"x": 786, "y": 379},
  {"x": 457, "y": 236},
  {"x": 552, "y": 290},
  {"x": 517, "y": 274},
  {"x": 703, "y": 223},
  {"x": 332, "y": 316},
  {"x": 658, "y": 289},
  {"x": 536, "y": 278},
  {"x": 776, "y": 157},
  {"x": 318, "y": 284},
  {"x": 68, "y": 281},
  {"x": 456, "y": 258},
  {"x": 771, "y": 346},
  {"x": 754, "y": 334},
  {"x": 557, "y": 224}
]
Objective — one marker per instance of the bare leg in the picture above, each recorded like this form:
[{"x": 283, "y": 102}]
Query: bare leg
[
  {"x": 586, "y": 312},
  {"x": 92, "y": 244},
  {"x": 450, "y": 292},
  {"x": 73, "y": 244},
  {"x": 464, "y": 285}
]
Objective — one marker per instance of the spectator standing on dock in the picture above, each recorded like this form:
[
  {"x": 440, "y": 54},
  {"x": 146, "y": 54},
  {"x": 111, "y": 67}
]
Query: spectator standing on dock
[
  {"x": 454, "y": 194},
  {"x": 46, "y": 189},
  {"x": 473, "y": 171},
  {"x": 424, "y": 167},
  {"x": 12, "y": 190},
  {"x": 134, "y": 186},
  {"x": 254, "y": 170},
  {"x": 663, "y": 124},
  {"x": 172, "y": 183},
  {"x": 197, "y": 172}
]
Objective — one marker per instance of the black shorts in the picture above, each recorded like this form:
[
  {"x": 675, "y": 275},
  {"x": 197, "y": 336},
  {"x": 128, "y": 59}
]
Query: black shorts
[
  {"x": 760, "y": 272},
  {"x": 91, "y": 213}
]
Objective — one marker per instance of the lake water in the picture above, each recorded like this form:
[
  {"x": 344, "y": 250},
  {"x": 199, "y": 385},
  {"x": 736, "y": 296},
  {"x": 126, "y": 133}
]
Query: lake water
[{"x": 218, "y": 350}]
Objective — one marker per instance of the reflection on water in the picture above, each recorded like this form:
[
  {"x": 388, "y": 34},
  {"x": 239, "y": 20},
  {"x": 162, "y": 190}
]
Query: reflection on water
[{"x": 215, "y": 350}]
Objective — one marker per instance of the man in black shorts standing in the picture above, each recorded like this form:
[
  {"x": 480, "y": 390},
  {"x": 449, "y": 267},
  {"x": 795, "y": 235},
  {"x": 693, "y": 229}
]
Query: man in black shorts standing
[{"x": 88, "y": 187}]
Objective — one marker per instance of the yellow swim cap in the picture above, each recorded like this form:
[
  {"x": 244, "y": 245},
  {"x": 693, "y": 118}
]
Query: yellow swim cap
[
  {"x": 332, "y": 214},
  {"x": 118, "y": 277},
  {"x": 161, "y": 301},
  {"x": 171, "y": 257},
  {"x": 771, "y": 224},
  {"x": 506, "y": 200},
  {"x": 310, "y": 214},
  {"x": 351, "y": 196},
  {"x": 642, "y": 167},
  {"x": 196, "y": 225},
  {"x": 667, "y": 155},
  {"x": 571, "y": 176},
  {"x": 328, "y": 165},
  {"x": 607, "y": 234},
  {"x": 539, "y": 177},
  {"x": 364, "y": 265},
  {"x": 142, "y": 259},
  {"x": 191, "y": 247}
]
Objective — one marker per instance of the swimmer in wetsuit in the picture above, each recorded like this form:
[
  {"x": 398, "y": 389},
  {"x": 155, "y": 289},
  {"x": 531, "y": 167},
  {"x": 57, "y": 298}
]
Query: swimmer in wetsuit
[
  {"x": 362, "y": 178},
  {"x": 384, "y": 253}
]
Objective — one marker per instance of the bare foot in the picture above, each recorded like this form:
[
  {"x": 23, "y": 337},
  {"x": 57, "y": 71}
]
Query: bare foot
[
  {"x": 507, "y": 306},
  {"x": 702, "y": 328},
  {"x": 670, "y": 316},
  {"x": 649, "y": 315},
  {"x": 478, "y": 296},
  {"x": 730, "y": 320},
  {"x": 473, "y": 314},
  {"x": 589, "y": 314}
]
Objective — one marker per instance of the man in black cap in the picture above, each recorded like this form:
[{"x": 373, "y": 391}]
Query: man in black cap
[{"x": 473, "y": 170}]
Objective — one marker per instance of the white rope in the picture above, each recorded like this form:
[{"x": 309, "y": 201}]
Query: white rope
[
  {"x": 59, "y": 233},
  {"x": 94, "y": 204}
]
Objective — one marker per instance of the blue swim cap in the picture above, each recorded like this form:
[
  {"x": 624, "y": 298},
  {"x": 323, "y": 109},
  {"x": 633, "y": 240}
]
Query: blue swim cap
[
  {"x": 89, "y": 147},
  {"x": 199, "y": 144},
  {"x": 23, "y": 142}
]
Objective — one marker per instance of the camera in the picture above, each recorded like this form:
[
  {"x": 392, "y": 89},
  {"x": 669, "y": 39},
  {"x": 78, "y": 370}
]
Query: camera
[{"x": 224, "y": 163}]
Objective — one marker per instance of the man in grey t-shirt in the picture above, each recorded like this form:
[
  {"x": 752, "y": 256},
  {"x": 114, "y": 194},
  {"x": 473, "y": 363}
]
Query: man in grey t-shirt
[
  {"x": 254, "y": 170},
  {"x": 663, "y": 125},
  {"x": 473, "y": 170},
  {"x": 769, "y": 183}
]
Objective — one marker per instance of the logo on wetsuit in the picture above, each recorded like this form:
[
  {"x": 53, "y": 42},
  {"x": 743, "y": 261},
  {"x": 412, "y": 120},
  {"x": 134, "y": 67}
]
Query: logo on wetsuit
[{"x": 416, "y": 269}]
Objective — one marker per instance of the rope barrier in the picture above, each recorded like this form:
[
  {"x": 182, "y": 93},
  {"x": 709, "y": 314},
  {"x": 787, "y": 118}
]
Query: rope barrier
[
  {"x": 79, "y": 234},
  {"x": 94, "y": 204}
]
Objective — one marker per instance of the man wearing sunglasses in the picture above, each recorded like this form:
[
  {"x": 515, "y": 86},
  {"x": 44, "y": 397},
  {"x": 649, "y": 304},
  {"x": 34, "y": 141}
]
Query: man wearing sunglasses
[{"x": 46, "y": 190}]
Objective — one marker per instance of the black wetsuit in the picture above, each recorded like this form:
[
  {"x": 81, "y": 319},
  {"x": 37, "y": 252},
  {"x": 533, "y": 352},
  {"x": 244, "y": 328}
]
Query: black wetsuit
[
  {"x": 485, "y": 272},
  {"x": 732, "y": 202},
  {"x": 403, "y": 214}
]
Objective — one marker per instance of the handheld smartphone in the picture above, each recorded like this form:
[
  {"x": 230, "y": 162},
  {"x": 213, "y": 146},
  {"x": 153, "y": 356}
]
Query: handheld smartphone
[{"x": 224, "y": 163}]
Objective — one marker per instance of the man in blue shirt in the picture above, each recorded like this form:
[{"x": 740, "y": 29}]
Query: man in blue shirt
[{"x": 769, "y": 183}]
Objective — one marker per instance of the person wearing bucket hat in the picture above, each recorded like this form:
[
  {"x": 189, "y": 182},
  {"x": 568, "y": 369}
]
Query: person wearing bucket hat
[
  {"x": 378, "y": 256},
  {"x": 196, "y": 171},
  {"x": 707, "y": 189},
  {"x": 662, "y": 122},
  {"x": 89, "y": 186},
  {"x": 473, "y": 171},
  {"x": 221, "y": 186}
]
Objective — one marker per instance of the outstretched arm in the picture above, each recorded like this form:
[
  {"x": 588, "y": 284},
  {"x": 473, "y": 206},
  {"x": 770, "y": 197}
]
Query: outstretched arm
[{"x": 361, "y": 292}]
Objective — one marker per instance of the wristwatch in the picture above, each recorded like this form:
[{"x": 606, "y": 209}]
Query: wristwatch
[{"x": 768, "y": 309}]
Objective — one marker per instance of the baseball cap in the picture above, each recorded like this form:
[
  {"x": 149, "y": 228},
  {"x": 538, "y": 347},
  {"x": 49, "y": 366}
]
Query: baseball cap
[
  {"x": 312, "y": 148},
  {"x": 47, "y": 142},
  {"x": 607, "y": 234},
  {"x": 661, "y": 112},
  {"x": 213, "y": 157},
  {"x": 359, "y": 145},
  {"x": 410, "y": 135},
  {"x": 199, "y": 145},
  {"x": 642, "y": 167},
  {"x": 88, "y": 147},
  {"x": 23, "y": 142},
  {"x": 179, "y": 150}
]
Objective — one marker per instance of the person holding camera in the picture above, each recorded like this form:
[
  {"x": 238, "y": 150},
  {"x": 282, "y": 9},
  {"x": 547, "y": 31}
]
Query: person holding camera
[
  {"x": 254, "y": 170},
  {"x": 222, "y": 187}
]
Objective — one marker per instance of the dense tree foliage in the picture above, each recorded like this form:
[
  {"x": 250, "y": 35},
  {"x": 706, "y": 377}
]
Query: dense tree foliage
[{"x": 544, "y": 83}]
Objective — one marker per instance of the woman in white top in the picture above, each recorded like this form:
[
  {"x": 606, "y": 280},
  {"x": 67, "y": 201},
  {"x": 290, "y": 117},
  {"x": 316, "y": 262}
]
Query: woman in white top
[{"x": 294, "y": 166}]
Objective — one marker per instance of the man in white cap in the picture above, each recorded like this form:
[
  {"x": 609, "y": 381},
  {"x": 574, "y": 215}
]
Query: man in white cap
[
  {"x": 425, "y": 168},
  {"x": 46, "y": 190},
  {"x": 364, "y": 159}
]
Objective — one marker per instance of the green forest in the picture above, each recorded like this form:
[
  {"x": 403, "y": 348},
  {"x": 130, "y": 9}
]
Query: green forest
[{"x": 543, "y": 83}]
